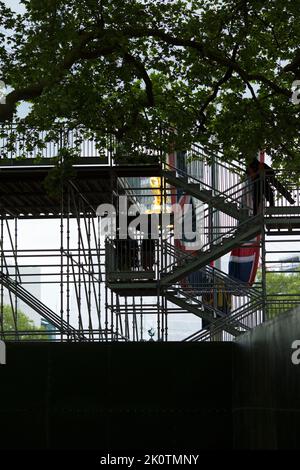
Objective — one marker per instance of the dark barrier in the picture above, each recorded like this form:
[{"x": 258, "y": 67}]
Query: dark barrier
[
  {"x": 155, "y": 396},
  {"x": 137, "y": 396},
  {"x": 267, "y": 386}
]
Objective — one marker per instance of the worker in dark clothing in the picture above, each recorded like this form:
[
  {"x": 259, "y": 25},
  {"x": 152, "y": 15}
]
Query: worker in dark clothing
[
  {"x": 264, "y": 180},
  {"x": 148, "y": 254}
]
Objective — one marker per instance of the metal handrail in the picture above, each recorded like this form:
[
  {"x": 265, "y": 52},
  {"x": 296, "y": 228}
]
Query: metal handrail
[
  {"x": 219, "y": 238},
  {"x": 235, "y": 194},
  {"x": 236, "y": 316},
  {"x": 188, "y": 294},
  {"x": 232, "y": 166},
  {"x": 237, "y": 286}
]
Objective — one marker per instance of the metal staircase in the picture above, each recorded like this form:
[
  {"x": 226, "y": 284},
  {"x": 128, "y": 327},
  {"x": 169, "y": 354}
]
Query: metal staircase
[
  {"x": 218, "y": 201},
  {"x": 236, "y": 226},
  {"x": 174, "y": 265},
  {"x": 225, "y": 243},
  {"x": 189, "y": 302},
  {"x": 227, "y": 196},
  {"x": 212, "y": 280},
  {"x": 238, "y": 318},
  {"x": 283, "y": 220},
  {"x": 61, "y": 325},
  {"x": 232, "y": 201},
  {"x": 211, "y": 276}
]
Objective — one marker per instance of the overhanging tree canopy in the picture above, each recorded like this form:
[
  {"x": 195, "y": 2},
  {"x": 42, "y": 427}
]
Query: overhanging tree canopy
[{"x": 220, "y": 71}]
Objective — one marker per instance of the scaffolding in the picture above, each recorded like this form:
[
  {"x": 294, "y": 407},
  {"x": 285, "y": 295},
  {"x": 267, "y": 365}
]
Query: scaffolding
[{"x": 137, "y": 287}]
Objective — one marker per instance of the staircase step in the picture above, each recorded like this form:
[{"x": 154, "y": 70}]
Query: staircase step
[
  {"x": 200, "y": 313},
  {"x": 284, "y": 210},
  {"x": 169, "y": 174},
  {"x": 231, "y": 320},
  {"x": 287, "y": 222}
]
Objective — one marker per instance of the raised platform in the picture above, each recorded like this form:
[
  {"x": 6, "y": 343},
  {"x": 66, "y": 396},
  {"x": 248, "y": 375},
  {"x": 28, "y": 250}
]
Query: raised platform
[
  {"x": 23, "y": 193},
  {"x": 132, "y": 288}
]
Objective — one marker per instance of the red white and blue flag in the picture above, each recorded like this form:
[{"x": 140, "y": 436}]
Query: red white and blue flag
[
  {"x": 244, "y": 260},
  {"x": 188, "y": 211}
]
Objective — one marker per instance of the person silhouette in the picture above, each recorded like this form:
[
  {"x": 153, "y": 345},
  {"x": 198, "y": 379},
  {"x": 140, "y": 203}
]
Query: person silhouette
[{"x": 264, "y": 180}]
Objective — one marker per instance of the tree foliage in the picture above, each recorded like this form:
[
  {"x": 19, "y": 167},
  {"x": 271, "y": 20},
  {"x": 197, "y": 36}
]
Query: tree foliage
[
  {"x": 283, "y": 291},
  {"x": 220, "y": 72}
]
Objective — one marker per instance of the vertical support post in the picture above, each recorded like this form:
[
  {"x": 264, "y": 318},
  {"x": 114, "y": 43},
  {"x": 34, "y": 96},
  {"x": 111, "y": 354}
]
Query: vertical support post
[
  {"x": 264, "y": 273},
  {"x": 119, "y": 324},
  {"x": 111, "y": 312},
  {"x": 62, "y": 262},
  {"x": 90, "y": 268},
  {"x": 98, "y": 244},
  {"x": 211, "y": 240},
  {"x": 79, "y": 262},
  {"x": 118, "y": 316},
  {"x": 126, "y": 321},
  {"x": 161, "y": 235},
  {"x": 164, "y": 301},
  {"x": 216, "y": 215},
  {"x": 262, "y": 183},
  {"x": 68, "y": 255},
  {"x": 106, "y": 305},
  {"x": 61, "y": 235},
  {"x": 141, "y": 321},
  {"x": 213, "y": 222},
  {"x": 134, "y": 338},
  {"x": 16, "y": 266}
]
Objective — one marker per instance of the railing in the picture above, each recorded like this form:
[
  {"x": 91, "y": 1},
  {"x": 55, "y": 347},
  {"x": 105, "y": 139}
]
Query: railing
[
  {"x": 249, "y": 315},
  {"x": 239, "y": 193},
  {"x": 290, "y": 183},
  {"x": 225, "y": 174},
  {"x": 243, "y": 318},
  {"x": 212, "y": 289},
  {"x": 40, "y": 144},
  {"x": 20, "y": 142},
  {"x": 218, "y": 237},
  {"x": 208, "y": 276},
  {"x": 281, "y": 304},
  {"x": 208, "y": 299},
  {"x": 39, "y": 335},
  {"x": 62, "y": 326}
]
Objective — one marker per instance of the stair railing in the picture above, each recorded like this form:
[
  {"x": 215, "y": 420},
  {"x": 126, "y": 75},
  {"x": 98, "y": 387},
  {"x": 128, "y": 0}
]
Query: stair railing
[
  {"x": 246, "y": 317},
  {"x": 16, "y": 288},
  {"x": 210, "y": 240},
  {"x": 237, "y": 193}
]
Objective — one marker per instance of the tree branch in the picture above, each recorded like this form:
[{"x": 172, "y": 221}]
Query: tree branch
[
  {"x": 270, "y": 120},
  {"x": 208, "y": 54},
  {"x": 216, "y": 88},
  {"x": 293, "y": 66},
  {"x": 142, "y": 72},
  {"x": 80, "y": 51}
]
